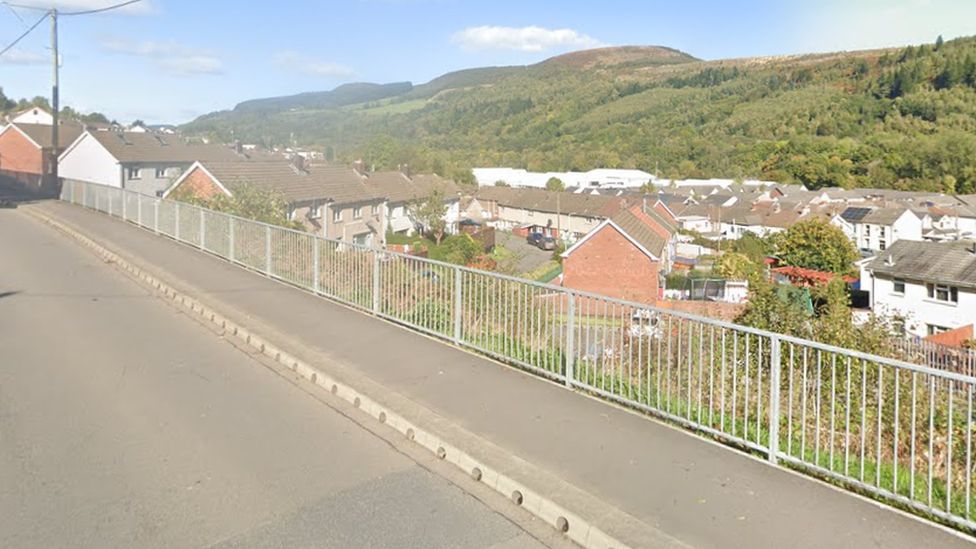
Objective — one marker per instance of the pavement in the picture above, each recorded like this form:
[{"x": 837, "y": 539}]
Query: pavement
[
  {"x": 686, "y": 487},
  {"x": 124, "y": 423},
  {"x": 527, "y": 257}
]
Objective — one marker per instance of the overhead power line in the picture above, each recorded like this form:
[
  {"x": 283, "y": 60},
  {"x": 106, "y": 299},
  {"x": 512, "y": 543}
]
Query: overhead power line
[
  {"x": 21, "y": 37},
  {"x": 100, "y": 10}
]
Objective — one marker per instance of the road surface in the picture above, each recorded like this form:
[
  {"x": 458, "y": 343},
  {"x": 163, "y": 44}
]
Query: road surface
[{"x": 123, "y": 423}]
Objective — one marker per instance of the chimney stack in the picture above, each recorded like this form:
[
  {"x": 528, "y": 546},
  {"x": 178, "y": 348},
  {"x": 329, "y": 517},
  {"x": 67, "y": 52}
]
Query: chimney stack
[
  {"x": 298, "y": 162},
  {"x": 359, "y": 166}
]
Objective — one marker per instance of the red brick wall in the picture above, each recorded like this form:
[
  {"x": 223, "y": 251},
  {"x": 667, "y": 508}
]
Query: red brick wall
[
  {"x": 609, "y": 264},
  {"x": 197, "y": 183},
  {"x": 18, "y": 154}
]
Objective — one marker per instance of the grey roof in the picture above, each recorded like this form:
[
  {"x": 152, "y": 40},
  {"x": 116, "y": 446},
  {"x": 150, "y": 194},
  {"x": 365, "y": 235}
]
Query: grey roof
[
  {"x": 151, "y": 147},
  {"x": 330, "y": 184},
  {"x": 41, "y": 133},
  {"x": 946, "y": 262},
  {"x": 586, "y": 205},
  {"x": 397, "y": 187},
  {"x": 640, "y": 231}
]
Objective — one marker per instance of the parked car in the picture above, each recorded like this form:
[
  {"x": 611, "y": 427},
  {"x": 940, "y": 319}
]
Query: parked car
[
  {"x": 541, "y": 241},
  {"x": 644, "y": 323}
]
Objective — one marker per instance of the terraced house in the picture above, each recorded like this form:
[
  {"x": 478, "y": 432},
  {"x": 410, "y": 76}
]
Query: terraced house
[
  {"x": 329, "y": 201},
  {"x": 564, "y": 215},
  {"x": 399, "y": 190}
]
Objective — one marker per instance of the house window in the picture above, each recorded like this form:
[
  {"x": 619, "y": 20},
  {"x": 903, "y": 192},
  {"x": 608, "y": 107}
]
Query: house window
[
  {"x": 376, "y": 209},
  {"x": 943, "y": 293},
  {"x": 133, "y": 173},
  {"x": 337, "y": 216},
  {"x": 160, "y": 173},
  {"x": 882, "y": 245},
  {"x": 315, "y": 212},
  {"x": 899, "y": 286},
  {"x": 357, "y": 213},
  {"x": 934, "y": 329}
]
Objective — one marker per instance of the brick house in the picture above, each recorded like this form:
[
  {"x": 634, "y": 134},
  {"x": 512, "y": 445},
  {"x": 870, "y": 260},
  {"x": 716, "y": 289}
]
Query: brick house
[
  {"x": 329, "y": 201},
  {"x": 26, "y": 152},
  {"x": 624, "y": 256}
]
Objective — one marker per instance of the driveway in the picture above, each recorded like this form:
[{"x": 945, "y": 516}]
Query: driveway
[{"x": 528, "y": 257}]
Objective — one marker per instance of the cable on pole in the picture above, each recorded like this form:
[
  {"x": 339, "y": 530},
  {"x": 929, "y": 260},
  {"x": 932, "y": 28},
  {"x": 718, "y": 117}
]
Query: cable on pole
[{"x": 21, "y": 37}]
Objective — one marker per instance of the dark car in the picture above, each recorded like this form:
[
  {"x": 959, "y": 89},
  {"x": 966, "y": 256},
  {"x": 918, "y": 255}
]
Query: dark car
[{"x": 541, "y": 241}]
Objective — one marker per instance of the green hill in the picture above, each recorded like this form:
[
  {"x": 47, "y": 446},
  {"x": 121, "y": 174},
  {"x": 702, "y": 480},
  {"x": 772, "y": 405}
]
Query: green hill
[{"x": 902, "y": 118}]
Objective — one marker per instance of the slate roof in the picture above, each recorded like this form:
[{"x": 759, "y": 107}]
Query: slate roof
[
  {"x": 946, "y": 262},
  {"x": 151, "y": 147},
  {"x": 41, "y": 134},
  {"x": 585, "y": 205},
  {"x": 397, "y": 187},
  {"x": 640, "y": 231},
  {"x": 335, "y": 184}
]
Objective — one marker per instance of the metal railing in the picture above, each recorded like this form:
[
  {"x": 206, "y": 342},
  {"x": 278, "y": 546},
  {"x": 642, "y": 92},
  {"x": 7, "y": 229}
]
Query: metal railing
[
  {"x": 936, "y": 355},
  {"x": 898, "y": 430}
]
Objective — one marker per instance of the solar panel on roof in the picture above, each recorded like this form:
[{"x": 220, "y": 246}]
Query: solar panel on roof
[{"x": 855, "y": 214}]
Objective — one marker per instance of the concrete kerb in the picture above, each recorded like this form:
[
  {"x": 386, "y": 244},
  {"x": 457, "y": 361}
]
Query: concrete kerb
[{"x": 578, "y": 529}]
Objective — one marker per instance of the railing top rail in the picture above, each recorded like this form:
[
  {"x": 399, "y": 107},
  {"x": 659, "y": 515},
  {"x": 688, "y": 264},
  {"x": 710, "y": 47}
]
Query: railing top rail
[{"x": 953, "y": 376}]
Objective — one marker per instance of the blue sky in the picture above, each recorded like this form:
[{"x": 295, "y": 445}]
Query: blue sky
[{"x": 171, "y": 60}]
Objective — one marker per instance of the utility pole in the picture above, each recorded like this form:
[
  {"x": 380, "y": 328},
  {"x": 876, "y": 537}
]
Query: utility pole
[{"x": 55, "y": 99}]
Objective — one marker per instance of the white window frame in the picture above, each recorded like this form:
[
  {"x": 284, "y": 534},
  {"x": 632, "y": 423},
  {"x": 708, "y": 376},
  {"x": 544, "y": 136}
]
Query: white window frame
[
  {"x": 337, "y": 215},
  {"x": 894, "y": 286},
  {"x": 935, "y": 329},
  {"x": 160, "y": 173},
  {"x": 315, "y": 212},
  {"x": 357, "y": 212},
  {"x": 136, "y": 171},
  {"x": 951, "y": 293}
]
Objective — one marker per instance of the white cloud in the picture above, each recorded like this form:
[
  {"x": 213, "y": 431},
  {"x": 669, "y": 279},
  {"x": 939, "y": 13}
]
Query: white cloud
[
  {"x": 295, "y": 61},
  {"x": 21, "y": 57},
  {"x": 170, "y": 56},
  {"x": 145, "y": 6},
  {"x": 526, "y": 39}
]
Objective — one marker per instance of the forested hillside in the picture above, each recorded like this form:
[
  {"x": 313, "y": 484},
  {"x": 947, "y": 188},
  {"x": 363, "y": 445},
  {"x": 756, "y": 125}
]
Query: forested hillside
[{"x": 901, "y": 118}]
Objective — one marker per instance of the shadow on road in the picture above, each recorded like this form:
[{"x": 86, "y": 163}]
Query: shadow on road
[{"x": 13, "y": 193}]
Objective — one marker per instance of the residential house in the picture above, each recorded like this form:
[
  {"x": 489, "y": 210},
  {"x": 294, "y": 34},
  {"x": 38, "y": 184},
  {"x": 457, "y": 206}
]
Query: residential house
[
  {"x": 399, "y": 190},
  {"x": 143, "y": 162},
  {"x": 33, "y": 115},
  {"x": 332, "y": 202},
  {"x": 875, "y": 229},
  {"x": 624, "y": 257},
  {"x": 930, "y": 284},
  {"x": 563, "y": 215},
  {"x": 26, "y": 152}
]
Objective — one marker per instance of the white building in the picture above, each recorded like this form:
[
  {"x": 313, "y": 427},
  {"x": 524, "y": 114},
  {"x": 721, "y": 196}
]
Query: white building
[
  {"x": 33, "y": 115},
  {"x": 875, "y": 229},
  {"x": 932, "y": 285},
  {"x": 602, "y": 178}
]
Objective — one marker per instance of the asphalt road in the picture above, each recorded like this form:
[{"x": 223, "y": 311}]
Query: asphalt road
[{"x": 124, "y": 423}]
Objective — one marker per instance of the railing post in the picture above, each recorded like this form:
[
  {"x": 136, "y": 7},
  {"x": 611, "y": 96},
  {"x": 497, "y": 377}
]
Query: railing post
[
  {"x": 315, "y": 264},
  {"x": 569, "y": 374},
  {"x": 376, "y": 282},
  {"x": 109, "y": 203},
  {"x": 230, "y": 239},
  {"x": 84, "y": 195},
  {"x": 775, "y": 374},
  {"x": 267, "y": 250},
  {"x": 156, "y": 216},
  {"x": 176, "y": 226},
  {"x": 203, "y": 231},
  {"x": 457, "y": 306}
]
